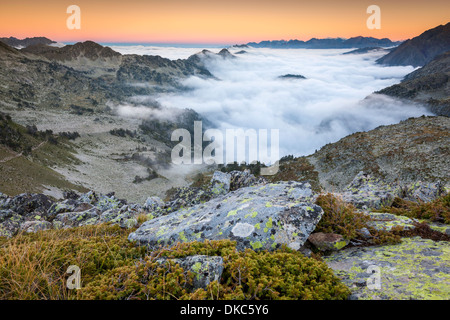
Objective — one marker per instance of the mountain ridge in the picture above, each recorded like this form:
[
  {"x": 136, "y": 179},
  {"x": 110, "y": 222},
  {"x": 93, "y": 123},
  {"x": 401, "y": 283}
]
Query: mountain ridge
[
  {"x": 420, "y": 50},
  {"x": 428, "y": 85},
  {"x": 15, "y": 42},
  {"x": 326, "y": 43}
]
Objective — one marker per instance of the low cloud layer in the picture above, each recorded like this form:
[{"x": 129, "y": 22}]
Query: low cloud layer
[{"x": 309, "y": 113}]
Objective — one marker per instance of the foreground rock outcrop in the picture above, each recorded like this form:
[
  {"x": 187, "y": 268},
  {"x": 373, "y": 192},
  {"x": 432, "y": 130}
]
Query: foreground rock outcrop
[
  {"x": 259, "y": 217},
  {"x": 414, "y": 269}
]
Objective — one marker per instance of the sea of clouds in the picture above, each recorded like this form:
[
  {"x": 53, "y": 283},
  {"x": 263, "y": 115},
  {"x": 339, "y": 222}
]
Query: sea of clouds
[{"x": 332, "y": 102}]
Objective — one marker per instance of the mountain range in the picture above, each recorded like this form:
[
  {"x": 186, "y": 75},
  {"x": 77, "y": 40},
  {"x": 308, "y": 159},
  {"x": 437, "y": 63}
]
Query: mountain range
[
  {"x": 328, "y": 43},
  {"x": 89, "y": 80},
  {"x": 313, "y": 230}
]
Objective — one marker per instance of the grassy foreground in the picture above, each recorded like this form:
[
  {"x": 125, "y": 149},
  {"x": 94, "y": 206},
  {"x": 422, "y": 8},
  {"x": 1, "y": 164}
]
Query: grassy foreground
[{"x": 33, "y": 266}]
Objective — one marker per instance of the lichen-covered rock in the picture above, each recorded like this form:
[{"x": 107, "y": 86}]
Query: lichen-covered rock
[
  {"x": 370, "y": 192},
  {"x": 424, "y": 192},
  {"x": 35, "y": 226},
  {"x": 258, "y": 217},
  {"x": 27, "y": 204},
  {"x": 206, "y": 269},
  {"x": 153, "y": 203},
  {"x": 9, "y": 223},
  {"x": 68, "y": 205},
  {"x": 220, "y": 183},
  {"x": 328, "y": 241},
  {"x": 76, "y": 219},
  {"x": 125, "y": 217},
  {"x": 102, "y": 202},
  {"x": 184, "y": 197},
  {"x": 414, "y": 269},
  {"x": 387, "y": 221}
]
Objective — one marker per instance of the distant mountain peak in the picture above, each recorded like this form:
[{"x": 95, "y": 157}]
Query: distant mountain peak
[
  {"x": 420, "y": 50},
  {"x": 87, "y": 49},
  {"x": 23, "y": 43}
]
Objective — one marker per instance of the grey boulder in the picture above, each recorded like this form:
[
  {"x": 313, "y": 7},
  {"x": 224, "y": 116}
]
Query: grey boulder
[{"x": 257, "y": 217}]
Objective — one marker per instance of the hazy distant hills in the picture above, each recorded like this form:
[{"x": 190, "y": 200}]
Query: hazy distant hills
[
  {"x": 420, "y": 50},
  {"x": 328, "y": 43},
  {"x": 23, "y": 43}
]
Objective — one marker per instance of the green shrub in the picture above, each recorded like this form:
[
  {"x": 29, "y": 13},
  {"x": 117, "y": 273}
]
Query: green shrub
[
  {"x": 33, "y": 266},
  {"x": 283, "y": 274}
]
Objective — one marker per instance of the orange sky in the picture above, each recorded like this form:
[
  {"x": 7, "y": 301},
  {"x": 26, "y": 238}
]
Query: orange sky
[{"x": 211, "y": 21}]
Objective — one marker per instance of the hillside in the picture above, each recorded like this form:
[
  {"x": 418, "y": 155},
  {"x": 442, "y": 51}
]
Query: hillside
[
  {"x": 420, "y": 50},
  {"x": 429, "y": 85},
  {"x": 83, "y": 88},
  {"x": 416, "y": 149},
  {"x": 27, "y": 157}
]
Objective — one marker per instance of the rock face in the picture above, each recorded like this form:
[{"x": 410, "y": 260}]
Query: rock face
[
  {"x": 428, "y": 85},
  {"x": 415, "y": 269},
  {"x": 258, "y": 217},
  {"x": 421, "y": 49}
]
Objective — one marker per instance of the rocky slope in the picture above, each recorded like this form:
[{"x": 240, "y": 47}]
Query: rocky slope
[
  {"x": 421, "y": 49},
  {"x": 81, "y": 88},
  {"x": 413, "y": 150},
  {"x": 428, "y": 85}
]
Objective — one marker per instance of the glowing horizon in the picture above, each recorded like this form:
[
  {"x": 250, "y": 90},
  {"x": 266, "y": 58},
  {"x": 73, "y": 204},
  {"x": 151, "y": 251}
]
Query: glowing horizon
[{"x": 217, "y": 22}]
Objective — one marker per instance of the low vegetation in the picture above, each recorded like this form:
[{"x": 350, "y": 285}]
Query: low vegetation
[
  {"x": 342, "y": 218},
  {"x": 437, "y": 210},
  {"x": 33, "y": 266},
  {"x": 27, "y": 156}
]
